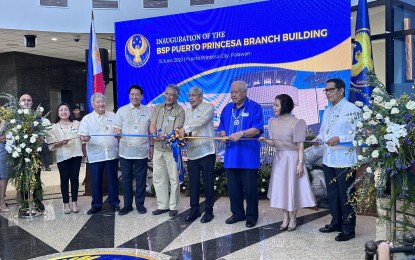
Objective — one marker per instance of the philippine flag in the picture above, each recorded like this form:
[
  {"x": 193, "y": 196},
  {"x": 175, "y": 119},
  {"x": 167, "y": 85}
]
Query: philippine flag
[{"x": 95, "y": 79}]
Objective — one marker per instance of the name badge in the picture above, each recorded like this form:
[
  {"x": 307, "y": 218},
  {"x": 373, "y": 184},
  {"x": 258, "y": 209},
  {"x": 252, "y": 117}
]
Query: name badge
[
  {"x": 171, "y": 117},
  {"x": 245, "y": 114},
  {"x": 74, "y": 130}
]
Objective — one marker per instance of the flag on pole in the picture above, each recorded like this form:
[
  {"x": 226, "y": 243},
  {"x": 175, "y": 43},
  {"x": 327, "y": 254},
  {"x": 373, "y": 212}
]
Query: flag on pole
[
  {"x": 362, "y": 60},
  {"x": 95, "y": 79}
]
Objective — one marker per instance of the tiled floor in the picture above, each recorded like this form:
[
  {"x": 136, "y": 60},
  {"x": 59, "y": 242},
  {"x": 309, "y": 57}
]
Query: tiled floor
[{"x": 163, "y": 237}]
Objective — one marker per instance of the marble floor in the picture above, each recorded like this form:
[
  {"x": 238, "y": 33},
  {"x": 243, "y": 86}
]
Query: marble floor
[{"x": 162, "y": 237}]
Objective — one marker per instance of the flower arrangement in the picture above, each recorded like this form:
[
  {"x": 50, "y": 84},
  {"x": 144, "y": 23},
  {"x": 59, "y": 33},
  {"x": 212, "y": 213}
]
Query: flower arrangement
[
  {"x": 24, "y": 129},
  {"x": 387, "y": 137}
]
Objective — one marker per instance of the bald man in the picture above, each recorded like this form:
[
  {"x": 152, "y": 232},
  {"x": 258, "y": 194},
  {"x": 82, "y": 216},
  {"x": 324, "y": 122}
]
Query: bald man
[{"x": 25, "y": 101}]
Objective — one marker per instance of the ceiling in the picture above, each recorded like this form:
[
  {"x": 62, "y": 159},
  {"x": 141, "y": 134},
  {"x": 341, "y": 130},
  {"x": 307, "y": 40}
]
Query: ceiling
[{"x": 65, "y": 47}]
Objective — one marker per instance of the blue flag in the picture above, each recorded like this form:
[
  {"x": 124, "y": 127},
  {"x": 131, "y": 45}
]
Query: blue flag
[{"x": 362, "y": 60}]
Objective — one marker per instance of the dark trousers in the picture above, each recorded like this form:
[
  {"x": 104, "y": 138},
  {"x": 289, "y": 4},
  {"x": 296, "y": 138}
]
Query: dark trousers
[
  {"x": 69, "y": 171},
  {"x": 134, "y": 168},
  {"x": 206, "y": 166},
  {"x": 243, "y": 182},
  {"x": 338, "y": 181},
  {"x": 97, "y": 172},
  {"x": 44, "y": 154}
]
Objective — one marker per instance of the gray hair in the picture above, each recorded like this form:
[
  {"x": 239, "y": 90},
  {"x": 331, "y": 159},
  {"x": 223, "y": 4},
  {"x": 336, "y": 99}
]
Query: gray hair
[
  {"x": 174, "y": 87},
  {"x": 241, "y": 84},
  {"x": 196, "y": 90},
  {"x": 97, "y": 95}
]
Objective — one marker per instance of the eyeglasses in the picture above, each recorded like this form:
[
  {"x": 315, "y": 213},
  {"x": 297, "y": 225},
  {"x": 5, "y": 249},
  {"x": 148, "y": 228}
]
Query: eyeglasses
[{"x": 329, "y": 90}]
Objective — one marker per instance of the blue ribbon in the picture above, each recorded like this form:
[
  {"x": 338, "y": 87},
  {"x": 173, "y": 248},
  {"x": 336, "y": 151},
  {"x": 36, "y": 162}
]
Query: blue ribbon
[
  {"x": 131, "y": 135},
  {"x": 176, "y": 143}
]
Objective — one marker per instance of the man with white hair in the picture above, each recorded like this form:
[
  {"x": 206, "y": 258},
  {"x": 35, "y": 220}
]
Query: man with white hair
[
  {"x": 200, "y": 154},
  {"x": 242, "y": 118},
  {"x": 102, "y": 152}
]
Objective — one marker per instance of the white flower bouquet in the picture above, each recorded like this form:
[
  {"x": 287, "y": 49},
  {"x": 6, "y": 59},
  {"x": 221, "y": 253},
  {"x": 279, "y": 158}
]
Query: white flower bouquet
[{"x": 24, "y": 129}]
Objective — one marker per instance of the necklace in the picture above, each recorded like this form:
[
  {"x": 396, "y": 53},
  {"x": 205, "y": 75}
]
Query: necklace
[
  {"x": 333, "y": 118},
  {"x": 102, "y": 122},
  {"x": 236, "y": 118},
  {"x": 134, "y": 118},
  {"x": 165, "y": 118},
  {"x": 65, "y": 136}
]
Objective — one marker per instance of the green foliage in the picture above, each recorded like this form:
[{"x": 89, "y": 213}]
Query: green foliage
[
  {"x": 24, "y": 129},
  {"x": 386, "y": 130}
]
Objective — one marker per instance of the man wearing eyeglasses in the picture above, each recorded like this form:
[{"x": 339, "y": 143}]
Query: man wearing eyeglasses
[
  {"x": 338, "y": 125},
  {"x": 242, "y": 119}
]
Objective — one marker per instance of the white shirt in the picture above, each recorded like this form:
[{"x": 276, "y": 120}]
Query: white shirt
[
  {"x": 60, "y": 132},
  {"x": 99, "y": 148},
  {"x": 132, "y": 120},
  {"x": 339, "y": 120},
  {"x": 199, "y": 122}
]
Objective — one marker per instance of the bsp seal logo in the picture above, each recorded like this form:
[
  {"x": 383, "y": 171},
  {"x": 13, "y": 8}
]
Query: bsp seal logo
[
  {"x": 362, "y": 59},
  {"x": 137, "y": 50}
]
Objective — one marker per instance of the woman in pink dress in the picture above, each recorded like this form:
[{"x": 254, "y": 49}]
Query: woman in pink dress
[{"x": 289, "y": 187}]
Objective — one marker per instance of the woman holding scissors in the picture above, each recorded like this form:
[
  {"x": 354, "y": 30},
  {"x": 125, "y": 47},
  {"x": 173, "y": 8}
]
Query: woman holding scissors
[{"x": 63, "y": 138}]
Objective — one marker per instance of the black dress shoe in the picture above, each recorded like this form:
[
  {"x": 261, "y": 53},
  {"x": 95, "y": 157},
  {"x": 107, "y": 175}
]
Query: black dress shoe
[
  {"x": 115, "y": 208},
  {"x": 141, "y": 209},
  {"x": 345, "y": 236},
  {"x": 160, "y": 211},
  {"x": 92, "y": 211},
  {"x": 124, "y": 211},
  {"x": 172, "y": 213},
  {"x": 330, "y": 229},
  {"x": 207, "y": 218},
  {"x": 192, "y": 217},
  {"x": 233, "y": 220},
  {"x": 250, "y": 223}
]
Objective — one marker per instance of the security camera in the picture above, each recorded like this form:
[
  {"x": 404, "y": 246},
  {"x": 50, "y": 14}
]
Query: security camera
[
  {"x": 77, "y": 38},
  {"x": 30, "y": 40}
]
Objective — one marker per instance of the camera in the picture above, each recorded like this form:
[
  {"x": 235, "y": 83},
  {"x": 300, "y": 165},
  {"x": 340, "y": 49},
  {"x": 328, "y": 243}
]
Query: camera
[
  {"x": 77, "y": 38},
  {"x": 30, "y": 40}
]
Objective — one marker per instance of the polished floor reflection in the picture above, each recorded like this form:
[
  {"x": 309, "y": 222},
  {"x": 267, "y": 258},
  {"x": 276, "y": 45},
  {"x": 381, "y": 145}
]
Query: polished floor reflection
[{"x": 163, "y": 237}]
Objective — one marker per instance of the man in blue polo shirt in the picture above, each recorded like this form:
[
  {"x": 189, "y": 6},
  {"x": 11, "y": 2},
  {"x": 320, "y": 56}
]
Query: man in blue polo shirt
[{"x": 242, "y": 119}]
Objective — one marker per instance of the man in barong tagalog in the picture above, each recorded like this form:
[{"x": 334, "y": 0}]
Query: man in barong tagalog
[
  {"x": 102, "y": 152},
  {"x": 164, "y": 119},
  {"x": 200, "y": 154},
  {"x": 134, "y": 118},
  {"x": 339, "y": 125}
]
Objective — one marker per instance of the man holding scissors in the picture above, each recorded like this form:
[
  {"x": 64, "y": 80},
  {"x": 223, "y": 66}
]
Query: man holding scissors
[
  {"x": 164, "y": 118},
  {"x": 102, "y": 152},
  {"x": 134, "y": 152}
]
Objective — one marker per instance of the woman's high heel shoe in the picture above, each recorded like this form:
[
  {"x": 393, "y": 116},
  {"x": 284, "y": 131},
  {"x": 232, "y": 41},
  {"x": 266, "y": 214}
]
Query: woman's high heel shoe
[
  {"x": 292, "y": 228},
  {"x": 75, "y": 208},
  {"x": 283, "y": 228},
  {"x": 66, "y": 208}
]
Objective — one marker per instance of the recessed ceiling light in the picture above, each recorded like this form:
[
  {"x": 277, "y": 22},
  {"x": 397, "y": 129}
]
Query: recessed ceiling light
[{"x": 54, "y": 39}]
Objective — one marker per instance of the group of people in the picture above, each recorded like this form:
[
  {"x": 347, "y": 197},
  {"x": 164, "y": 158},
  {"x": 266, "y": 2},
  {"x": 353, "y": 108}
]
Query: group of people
[{"x": 136, "y": 134}]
